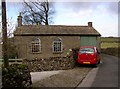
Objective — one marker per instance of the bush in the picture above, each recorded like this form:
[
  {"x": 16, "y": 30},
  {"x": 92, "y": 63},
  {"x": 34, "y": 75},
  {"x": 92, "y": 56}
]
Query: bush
[
  {"x": 16, "y": 75},
  {"x": 75, "y": 53},
  {"x": 12, "y": 51}
]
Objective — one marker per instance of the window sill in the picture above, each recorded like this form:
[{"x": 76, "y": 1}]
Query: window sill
[
  {"x": 57, "y": 52},
  {"x": 36, "y": 52}
]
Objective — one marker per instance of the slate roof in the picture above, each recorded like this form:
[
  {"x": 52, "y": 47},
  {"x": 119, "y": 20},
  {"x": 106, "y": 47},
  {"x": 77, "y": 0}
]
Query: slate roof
[{"x": 28, "y": 30}]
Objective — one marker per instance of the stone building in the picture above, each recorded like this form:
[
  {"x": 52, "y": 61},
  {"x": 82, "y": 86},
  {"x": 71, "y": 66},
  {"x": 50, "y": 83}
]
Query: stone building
[{"x": 41, "y": 41}]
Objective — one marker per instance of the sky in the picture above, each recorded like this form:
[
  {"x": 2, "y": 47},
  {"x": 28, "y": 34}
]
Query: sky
[{"x": 103, "y": 14}]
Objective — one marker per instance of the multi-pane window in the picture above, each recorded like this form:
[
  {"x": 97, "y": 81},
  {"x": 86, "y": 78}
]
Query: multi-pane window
[
  {"x": 36, "y": 45},
  {"x": 57, "y": 45}
]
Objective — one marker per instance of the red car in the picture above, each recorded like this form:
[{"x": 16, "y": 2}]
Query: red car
[{"x": 88, "y": 55}]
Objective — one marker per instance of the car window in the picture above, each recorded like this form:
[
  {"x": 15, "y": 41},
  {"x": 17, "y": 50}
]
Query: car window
[{"x": 87, "y": 50}]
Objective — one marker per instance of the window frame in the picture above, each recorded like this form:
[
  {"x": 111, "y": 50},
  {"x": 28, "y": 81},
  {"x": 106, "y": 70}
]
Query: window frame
[
  {"x": 36, "y": 45},
  {"x": 57, "y": 46}
]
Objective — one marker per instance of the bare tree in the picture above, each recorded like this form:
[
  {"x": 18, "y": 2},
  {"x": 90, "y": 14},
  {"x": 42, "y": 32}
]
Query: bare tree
[
  {"x": 11, "y": 27},
  {"x": 38, "y": 12}
]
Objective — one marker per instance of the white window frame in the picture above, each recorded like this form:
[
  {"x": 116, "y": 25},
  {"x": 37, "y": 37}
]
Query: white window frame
[
  {"x": 57, "y": 45},
  {"x": 36, "y": 45}
]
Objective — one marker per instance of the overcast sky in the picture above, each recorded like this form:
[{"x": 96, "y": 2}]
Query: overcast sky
[{"x": 104, "y": 15}]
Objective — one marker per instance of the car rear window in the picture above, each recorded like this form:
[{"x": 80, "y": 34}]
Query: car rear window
[{"x": 87, "y": 50}]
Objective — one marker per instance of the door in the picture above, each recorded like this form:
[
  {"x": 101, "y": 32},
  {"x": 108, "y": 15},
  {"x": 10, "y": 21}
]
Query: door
[{"x": 88, "y": 41}]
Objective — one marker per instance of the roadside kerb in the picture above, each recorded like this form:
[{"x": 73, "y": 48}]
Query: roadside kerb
[{"x": 87, "y": 82}]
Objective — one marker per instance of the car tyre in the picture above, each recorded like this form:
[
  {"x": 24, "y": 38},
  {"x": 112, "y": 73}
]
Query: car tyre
[
  {"x": 95, "y": 65},
  {"x": 99, "y": 62}
]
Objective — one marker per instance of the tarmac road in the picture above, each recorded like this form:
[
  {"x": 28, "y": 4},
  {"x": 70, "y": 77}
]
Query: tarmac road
[{"x": 106, "y": 75}]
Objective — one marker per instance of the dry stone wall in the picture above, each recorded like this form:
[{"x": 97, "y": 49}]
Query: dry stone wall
[{"x": 52, "y": 63}]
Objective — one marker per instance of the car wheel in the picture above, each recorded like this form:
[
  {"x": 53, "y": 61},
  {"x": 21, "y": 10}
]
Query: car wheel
[
  {"x": 95, "y": 65},
  {"x": 99, "y": 62}
]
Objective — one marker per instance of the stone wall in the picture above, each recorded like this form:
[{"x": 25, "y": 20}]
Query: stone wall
[
  {"x": 23, "y": 44},
  {"x": 111, "y": 51},
  {"x": 52, "y": 63}
]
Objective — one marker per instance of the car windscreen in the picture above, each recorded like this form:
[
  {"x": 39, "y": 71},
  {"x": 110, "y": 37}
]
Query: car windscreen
[{"x": 87, "y": 50}]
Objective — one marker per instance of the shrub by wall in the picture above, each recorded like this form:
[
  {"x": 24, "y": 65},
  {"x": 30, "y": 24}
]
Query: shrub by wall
[
  {"x": 17, "y": 75},
  {"x": 75, "y": 53}
]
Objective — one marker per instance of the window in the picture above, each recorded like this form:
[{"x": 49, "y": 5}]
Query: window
[
  {"x": 57, "y": 45},
  {"x": 87, "y": 50},
  {"x": 36, "y": 45}
]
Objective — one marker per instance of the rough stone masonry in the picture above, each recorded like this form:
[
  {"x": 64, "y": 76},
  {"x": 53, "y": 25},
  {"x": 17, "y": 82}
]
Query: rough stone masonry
[{"x": 52, "y": 63}]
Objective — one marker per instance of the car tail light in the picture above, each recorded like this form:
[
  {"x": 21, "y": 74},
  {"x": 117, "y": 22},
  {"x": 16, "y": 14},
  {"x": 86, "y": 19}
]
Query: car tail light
[{"x": 94, "y": 58}]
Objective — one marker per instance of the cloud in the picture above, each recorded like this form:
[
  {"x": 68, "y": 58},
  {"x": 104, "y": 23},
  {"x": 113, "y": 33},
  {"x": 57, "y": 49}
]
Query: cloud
[
  {"x": 110, "y": 7},
  {"x": 113, "y": 7},
  {"x": 80, "y": 5}
]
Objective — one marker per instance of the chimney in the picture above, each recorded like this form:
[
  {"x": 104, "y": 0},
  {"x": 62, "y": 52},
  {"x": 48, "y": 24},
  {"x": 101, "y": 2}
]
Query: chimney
[
  {"x": 19, "y": 20},
  {"x": 90, "y": 24}
]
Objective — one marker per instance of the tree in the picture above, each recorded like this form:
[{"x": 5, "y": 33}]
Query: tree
[
  {"x": 4, "y": 35},
  {"x": 12, "y": 51},
  {"x": 10, "y": 27},
  {"x": 38, "y": 12}
]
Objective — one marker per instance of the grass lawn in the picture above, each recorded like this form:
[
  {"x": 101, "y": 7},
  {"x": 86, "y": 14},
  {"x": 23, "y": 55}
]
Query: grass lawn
[
  {"x": 109, "y": 45},
  {"x": 110, "y": 39}
]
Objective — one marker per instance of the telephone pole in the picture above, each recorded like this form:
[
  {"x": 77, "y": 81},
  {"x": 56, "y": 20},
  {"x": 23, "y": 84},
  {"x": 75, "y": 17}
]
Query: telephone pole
[{"x": 4, "y": 34}]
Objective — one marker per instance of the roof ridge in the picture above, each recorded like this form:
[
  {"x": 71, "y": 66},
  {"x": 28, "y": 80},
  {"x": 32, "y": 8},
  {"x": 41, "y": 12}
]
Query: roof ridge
[
  {"x": 55, "y": 29},
  {"x": 57, "y": 25}
]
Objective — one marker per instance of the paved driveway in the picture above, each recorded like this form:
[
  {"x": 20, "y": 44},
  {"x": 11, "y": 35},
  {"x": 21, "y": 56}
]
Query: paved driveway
[
  {"x": 65, "y": 78},
  {"x": 37, "y": 76}
]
